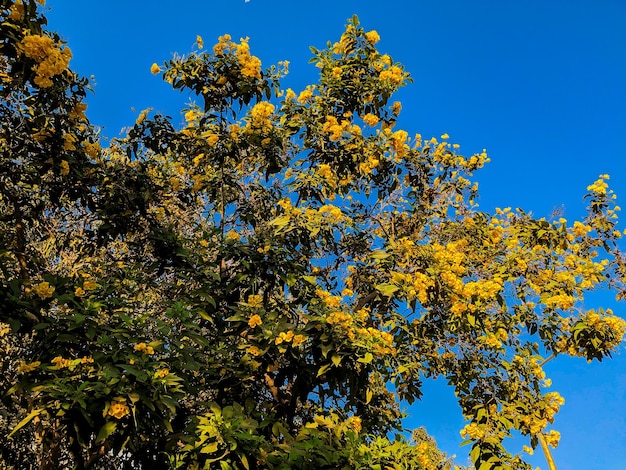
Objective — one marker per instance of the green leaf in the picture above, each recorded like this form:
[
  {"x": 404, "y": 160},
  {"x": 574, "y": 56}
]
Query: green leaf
[
  {"x": 387, "y": 289},
  {"x": 323, "y": 369},
  {"x": 26, "y": 420},
  {"x": 366, "y": 359},
  {"x": 106, "y": 430},
  {"x": 380, "y": 254}
]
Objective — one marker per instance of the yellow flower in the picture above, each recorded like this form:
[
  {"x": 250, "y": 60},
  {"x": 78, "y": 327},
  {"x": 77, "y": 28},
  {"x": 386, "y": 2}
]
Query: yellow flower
[
  {"x": 354, "y": 422},
  {"x": 89, "y": 285},
  {"x": 155, "y": 68},
  {"x": 4, "y": 329},
  {"x": 23, "y": 367},
  {"x": 144, "y": 348},
  {"x": 372, "y": 37},
  {"x": 232, "y": 235},
  {"x": 255, "y": 301},
  {"x": 79, "y": 292},
  {"x": 255, "y": 320},
  {"x": 159, "y": 374},
  {"x": 118, "y": 408},
  {"x": 44, "y": 290},
  {"x": 284, "y": 337},
  {"x": 370, "y": 119},
  {"x": 298, "y": 340},
  {"x": 253, "y": 350},
  {"x": 199, "y": 42},
  {"x": 65, "y": 167}
]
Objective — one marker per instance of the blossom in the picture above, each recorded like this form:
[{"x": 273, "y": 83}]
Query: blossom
[
  {"x": 89, "y": 285},
  {"x": 44, "y": 290},
  {"x": 50, "y": 59},
  {"x": 255, "y": 301},
  {"x": 159, "y": 374},
  {"x": 284, "y": 337},
  {"x": 253, "y": 350},
  {"x": 144, "y": 348},
  {"x": 370, "y": 119},
  {"x": 199, "y": 42},
  {"x": 155, "y": 68},
  {"x": 65, "y": 167},
  {"x": 298, "y": 340},
  {"x": 372, "y": 37},
  {"x": 118, "y": 408},
  {"x": 79, "y": 292},
  {"x": 255, "y": 320},
  {"x": 24, "y": 367}
]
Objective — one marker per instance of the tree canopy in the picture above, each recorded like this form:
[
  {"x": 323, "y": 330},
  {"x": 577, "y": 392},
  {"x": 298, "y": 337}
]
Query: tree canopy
[{"x": 261, "y": 283}]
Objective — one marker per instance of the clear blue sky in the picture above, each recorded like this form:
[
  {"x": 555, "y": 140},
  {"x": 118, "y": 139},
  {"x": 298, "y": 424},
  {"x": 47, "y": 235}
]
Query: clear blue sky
[{"x": 540, "y": 84}]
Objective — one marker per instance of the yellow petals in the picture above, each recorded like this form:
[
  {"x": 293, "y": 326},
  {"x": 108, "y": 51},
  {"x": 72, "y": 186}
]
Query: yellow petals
[
  {"x": 372, "y": 37},
  {"x": 154, "y": 68},
  {"x": 118, "y": 408},
  {"x": 44, "y": 290},
  {"x": 255, "y": 321}
]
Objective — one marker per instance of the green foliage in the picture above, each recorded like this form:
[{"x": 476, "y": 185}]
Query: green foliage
[{"x": 239, "y": 292}]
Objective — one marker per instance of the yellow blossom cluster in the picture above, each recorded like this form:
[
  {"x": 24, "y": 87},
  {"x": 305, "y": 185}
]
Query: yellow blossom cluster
[
  {"x": 62, "y": 363},
  {"x": 23, "y": 367},
  {"x": 372, "y": 37},
  {"x": 473, "y": 431},
  {"x": 51, "y": 59},
  {"x": 599, "y": 186},
  {"x": 336, "y": 129},
  {"x": 44, "y": 290},
  {"x": 370, "y": 119},
  {"x": 159, "y": 374},
  {"x": 332, "y": 212},
  {"x": 250, "y": 65},
  {"x": 144, "y": 348},
  {"x": 393, "y": 74},
  {"x": 284, "y": 337},
  {"x": 4, "y": 329},
  {"x": 255, "y": 301},
  {"x": 254, "y": 321},
  {"x": 223, "y": 45},
  {"x": 328, "y": 299},
  {"x": 305, "y": 95},
  {"x": 260, "y": 116},
  {"x": 366, "y": 167},
  {"x": 118, "y": 408},
  {"x": 552, "y": 438}
]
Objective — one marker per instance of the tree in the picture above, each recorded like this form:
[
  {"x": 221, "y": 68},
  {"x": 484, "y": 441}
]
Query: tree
[{"x": 261, "y": 287}]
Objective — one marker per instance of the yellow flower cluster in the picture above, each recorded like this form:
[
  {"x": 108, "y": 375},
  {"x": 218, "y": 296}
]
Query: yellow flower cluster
[
  {"x": 255, "y": 301},
  {"x": 332, "y": 212},
  {"x": 44, "y": 290},
  {"x": 260, "y": 116},
  {"x": 23, "y": 367},
  {"x": 250, "y": 65},
  {"x": 372, "y": 37},
  {"x": 552, "y": 438},
  {"x": 354, "y": 423},
  {"x": 370, "y": 119},
  {"x": 284, "y": 337},
  {"x": 328, "y": 299},
  {"x": 473, "y": 431},
  {"x": 50, "y": 58},
  {"x": 599, "y": 186},
  {"x": 369, "y": 165},
  {"x": 336, "y": 130},
  {"x": 4, "y": 329},
  {"x": 223, "y": 45},
  {"x": 255, "y": 320},
  {"x": 305, "y": 95},
  {"x": 118, "y": 408},
  {"x": 17, "y": 11},
  {"x": 159, "y": 374},
  {"x": 393, "y": 74},
  {"x": 61, "y": 363},
  {"x": 144, "y": 348}
]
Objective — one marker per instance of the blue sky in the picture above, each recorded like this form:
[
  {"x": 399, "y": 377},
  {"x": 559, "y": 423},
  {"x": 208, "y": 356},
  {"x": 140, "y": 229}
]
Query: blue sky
[{"x": 541, "y": 85}]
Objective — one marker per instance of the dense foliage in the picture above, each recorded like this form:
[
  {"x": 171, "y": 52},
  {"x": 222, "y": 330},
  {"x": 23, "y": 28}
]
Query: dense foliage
[{"x": 261, "y": 285}]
